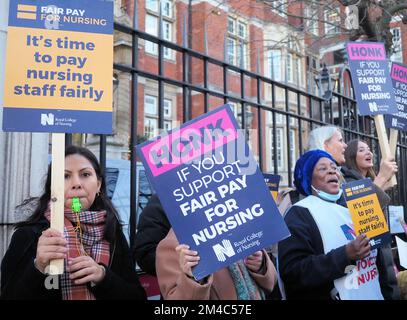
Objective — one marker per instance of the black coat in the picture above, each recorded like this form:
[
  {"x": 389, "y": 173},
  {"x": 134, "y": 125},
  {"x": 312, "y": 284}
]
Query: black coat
[
  {"x": 389, "y": 287},
  {"x": 153, "y": 226},
  {"x": 20, "y": 279},
  {"x": 306, "y": 271}
]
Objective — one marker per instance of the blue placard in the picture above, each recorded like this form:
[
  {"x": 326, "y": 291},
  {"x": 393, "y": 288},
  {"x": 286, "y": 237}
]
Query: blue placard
[
  {"x": 399, "y": 77},
  {"x": 90, "y": 16},
  {"x": 272, "y": 181},
  {"x": 370, "y": 77},
  {"x": 212, "y": 190}
]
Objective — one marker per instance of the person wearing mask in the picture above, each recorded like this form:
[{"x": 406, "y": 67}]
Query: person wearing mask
[
  {"x": 247, "y": 279},
  {"x": 97, "y": 260},
  {"x": 315, "y": 262}
]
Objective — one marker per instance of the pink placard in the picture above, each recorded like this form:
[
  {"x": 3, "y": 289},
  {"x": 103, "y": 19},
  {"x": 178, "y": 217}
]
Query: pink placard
[
  {"x": 198, "y": 138},
  {"x": 366, "y": 51},
  {"x": 399, "y": 73}
]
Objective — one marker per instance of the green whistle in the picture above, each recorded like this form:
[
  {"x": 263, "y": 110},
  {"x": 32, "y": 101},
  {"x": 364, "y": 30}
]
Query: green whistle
[{"x": 76, "y": 205}]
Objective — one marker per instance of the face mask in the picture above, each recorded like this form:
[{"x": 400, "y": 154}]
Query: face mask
[{"x": 327, "y": 196}]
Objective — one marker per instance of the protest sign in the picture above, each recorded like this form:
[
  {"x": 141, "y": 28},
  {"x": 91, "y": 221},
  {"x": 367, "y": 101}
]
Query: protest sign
[
  {"x": 398, "y": 121},
  {"x": 370, "y": 77},
  {"x": 212, "y": 190},
  {"x": 58, "y": 79},
  {"x": 402, "y": 250},
  {"x": 59, "y": 66},
  {"x": 373, "y": 87},
  {"x": 272, "y": 182},
  {"x": 396, "y": 213},
  {"x": 367, "y": 215}
]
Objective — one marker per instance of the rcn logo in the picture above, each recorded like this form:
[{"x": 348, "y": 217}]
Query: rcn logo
[
  {"x": 47, "y": 119},
  {"x": 25, "y": 11},
  {"x": 223, "y": 250},
  {"x": 373, "y": 106}
]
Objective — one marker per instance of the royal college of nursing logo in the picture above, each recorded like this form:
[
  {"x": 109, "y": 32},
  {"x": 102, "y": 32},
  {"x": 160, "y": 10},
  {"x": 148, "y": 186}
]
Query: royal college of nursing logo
[
  {"x": 223, "y": 250},
  {"x": 47, "y": 119},
  {"x": 25, "y": 11}
]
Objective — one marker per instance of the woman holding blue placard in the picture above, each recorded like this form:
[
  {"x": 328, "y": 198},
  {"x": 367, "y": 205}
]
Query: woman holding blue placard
[
  {"x": 98, "y": 263},
  {"x": 244, "y": 280}
]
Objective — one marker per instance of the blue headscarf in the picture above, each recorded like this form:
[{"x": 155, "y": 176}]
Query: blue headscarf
[{"x": 304, "y": 167}]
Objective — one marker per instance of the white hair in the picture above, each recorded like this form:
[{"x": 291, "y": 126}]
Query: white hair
[{"x": 318, "y": 137}]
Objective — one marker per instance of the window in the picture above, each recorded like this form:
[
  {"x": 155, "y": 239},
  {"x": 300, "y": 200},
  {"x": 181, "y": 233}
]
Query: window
[
  {"x": 167, "y": 107},
  {"x": 152, "y": 25},
  {"x": 294, "y": 68},
  {"x": 236, "y": 111},
  {"x": 167, "y": 125},
  {"x": 279, "y": 7},
  {"x": 274, "y": 62},
  {"x": 231, "y": 25},
  {"x": 397, "y": 54},
  {"x": 332, "y": 21},
  {"x": 167, "y": 9},
  {"x": 242, "y": 30},
  {"x": 231, "y": 51},
  {"x": 289, "y": 67},
  {"x": 150, "y": 127},
  {"x": 278, "y": 150},
  {"x": 150, "y": 105},
  {"x": 293, "y": 154},
  {"x": 151, "y": 28},
  {"x": 237, "y": 50},
  {"x": 293, "y": 62},
  {"x": 311, "y": 14},
  {"x": 152, "y": 5},
  {"x": 151, "y": 115}
]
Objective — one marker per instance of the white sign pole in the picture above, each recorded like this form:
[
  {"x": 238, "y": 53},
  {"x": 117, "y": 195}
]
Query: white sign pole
[
  {"x": 57, "y": 194},
  {"x": 383, "y": 141},
  {"x": 393, "y": 141}
]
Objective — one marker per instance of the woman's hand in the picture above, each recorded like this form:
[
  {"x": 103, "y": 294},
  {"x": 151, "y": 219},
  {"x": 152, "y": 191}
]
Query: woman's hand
[
  {"x": 187, "y": 259},
  {"x": 84, "y": 269},
  {"x": 388, "y": 167},
  {"x": 254, "y": 262},
  {"x": 51, "y": 245},
  {"x": 358, "y": 248}
]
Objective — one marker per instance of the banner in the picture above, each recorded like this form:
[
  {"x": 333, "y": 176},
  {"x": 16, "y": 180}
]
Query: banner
[
  {"x": 272, "y": 181},
  {"x": 370, "y": 76},
  {"x": 367, "y": 215},
  {"x": 212, "y": 190},
  {"x": 399, "y": 77},
  {"x": 59, "y": 66}
]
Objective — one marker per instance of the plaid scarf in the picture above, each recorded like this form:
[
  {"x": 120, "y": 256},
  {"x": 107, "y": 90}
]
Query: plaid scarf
[
  {"x": 246, "y": 288},
  {"x": 86, "y": 238}
]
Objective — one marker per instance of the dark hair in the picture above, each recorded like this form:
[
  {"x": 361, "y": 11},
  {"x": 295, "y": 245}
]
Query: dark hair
[
  {"x": 350, "y": 157},
  {"x": 101, "y": 202}
]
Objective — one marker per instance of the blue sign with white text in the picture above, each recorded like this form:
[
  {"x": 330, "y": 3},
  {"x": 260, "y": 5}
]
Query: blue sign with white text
[
  {"x": 212, "y": 190},
  {"x": 399, "y": 77},
  {"x": 370, "y": 77}
]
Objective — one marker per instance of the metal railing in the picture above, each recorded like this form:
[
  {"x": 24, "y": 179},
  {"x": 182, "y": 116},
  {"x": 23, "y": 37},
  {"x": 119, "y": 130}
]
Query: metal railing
[{"x": 306, "y": 110}]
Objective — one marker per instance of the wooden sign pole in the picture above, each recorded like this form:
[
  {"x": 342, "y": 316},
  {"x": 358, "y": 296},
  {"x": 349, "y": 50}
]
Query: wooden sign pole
[
  {"x": 394, "y": 133},
  {"x": 57, "y": 193},
  {"x": 383, "y": 141}
]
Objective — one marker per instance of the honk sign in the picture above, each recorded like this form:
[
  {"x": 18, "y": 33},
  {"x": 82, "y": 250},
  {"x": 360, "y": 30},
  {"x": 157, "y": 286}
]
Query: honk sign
[
  {"x": 212, "y": 190},
  {"x": 191, "y": 142}
]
